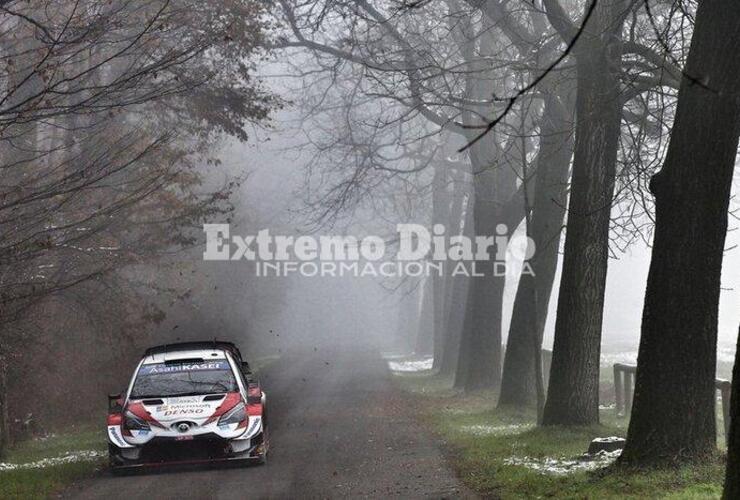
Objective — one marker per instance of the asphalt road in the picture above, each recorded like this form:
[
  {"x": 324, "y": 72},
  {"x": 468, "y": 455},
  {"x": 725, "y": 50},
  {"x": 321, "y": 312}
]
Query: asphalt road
[{"x": 338, "y": 429}]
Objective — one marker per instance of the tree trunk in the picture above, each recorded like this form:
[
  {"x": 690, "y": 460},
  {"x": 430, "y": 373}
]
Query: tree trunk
[
  {"x": 457, "y": 287},
  {"x": 440, "y": 214},
  {"x": 573, "y": 394},
  {"x": 732, "y": 477},
  {"x": 456, "y": 316},
  {"x": 518, "y": 386},
  {"x": 479, "y": 364},
  {"x": 4, "y": 434},
  {"x": 674, "y": 399},
  {"x": 440, "y": 334},
  {"x": 425, "y": 331}
]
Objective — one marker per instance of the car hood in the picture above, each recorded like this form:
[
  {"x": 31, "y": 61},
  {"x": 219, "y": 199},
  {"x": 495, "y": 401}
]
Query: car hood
[{"x": 193, "y": 408}]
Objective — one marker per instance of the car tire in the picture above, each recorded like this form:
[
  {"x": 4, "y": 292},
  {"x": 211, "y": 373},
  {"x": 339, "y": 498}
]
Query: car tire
[{"x": 112, "y": 459}]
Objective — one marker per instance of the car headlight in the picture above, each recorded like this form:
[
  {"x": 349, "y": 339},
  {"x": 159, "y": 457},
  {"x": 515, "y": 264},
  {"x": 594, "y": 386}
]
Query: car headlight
[
  {"x": 133, "y": 423},
  {"x": 234, "y": 416}
]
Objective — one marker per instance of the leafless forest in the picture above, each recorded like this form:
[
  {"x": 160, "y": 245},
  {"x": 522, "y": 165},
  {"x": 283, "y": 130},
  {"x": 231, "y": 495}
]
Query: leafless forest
[{"x": 603, "y": 132}]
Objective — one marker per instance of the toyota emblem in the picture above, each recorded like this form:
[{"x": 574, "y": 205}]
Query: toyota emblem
[{"x": 183, "y": 427}]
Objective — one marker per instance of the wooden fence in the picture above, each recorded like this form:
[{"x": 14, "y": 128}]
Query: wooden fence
[{"x": 624, "y": 382}]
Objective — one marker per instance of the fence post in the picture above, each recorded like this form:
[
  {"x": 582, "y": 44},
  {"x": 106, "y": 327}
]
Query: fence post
[
  {"x": 624, "y": 390},
  {"x": 618, "y": 389},
  {"x": 628, "y": 378}
]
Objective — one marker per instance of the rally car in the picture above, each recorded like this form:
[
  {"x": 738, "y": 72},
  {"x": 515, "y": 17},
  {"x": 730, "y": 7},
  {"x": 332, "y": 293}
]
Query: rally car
[{"x": 187, "y": 403}]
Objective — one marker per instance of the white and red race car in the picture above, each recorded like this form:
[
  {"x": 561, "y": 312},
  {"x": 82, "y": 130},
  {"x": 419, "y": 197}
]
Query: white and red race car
[{"x": 187, "y": 403}]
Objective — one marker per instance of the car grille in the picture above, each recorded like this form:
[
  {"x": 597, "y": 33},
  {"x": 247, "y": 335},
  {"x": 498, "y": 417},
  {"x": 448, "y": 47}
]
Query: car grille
[{"x": 200, "y": 448}]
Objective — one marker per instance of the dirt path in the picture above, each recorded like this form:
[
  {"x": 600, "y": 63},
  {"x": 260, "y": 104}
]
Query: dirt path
[{"x": 338, "y": 428}]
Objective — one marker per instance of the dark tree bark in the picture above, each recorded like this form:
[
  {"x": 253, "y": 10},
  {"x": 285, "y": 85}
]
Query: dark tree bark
[
  {"x": 732, "y": 477},
  {"x": 4, "y": 434},
  {"x": 673, "y": 409},
  {"x": 456, "y": 290},
  {"x": 479, "y": 363},
  {"x": 573, "y": 394},
  {"x": 518, "y": 386},
  {"x": 456, "y": 307}
]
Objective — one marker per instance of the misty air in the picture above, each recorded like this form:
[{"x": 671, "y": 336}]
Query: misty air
[{"x": 369, "y": 249}]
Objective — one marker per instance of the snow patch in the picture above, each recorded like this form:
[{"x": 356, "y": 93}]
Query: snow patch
[
  {"x": 45, "y": 437},
  {"x": 562, "y": 466},
  {"x": 455, "y": 411},
  {"x": 394, "y": 355},
  {"x": 67, "y": 458},
  {"x": 495, "y": 430},
  {"x": 624, "y": 357},
  {"x": 411, "y": 365}
]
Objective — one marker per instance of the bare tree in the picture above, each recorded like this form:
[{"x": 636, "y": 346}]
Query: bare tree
[
  {"x": 102, "y": 114},
  {"x": 673, "y": 412}
]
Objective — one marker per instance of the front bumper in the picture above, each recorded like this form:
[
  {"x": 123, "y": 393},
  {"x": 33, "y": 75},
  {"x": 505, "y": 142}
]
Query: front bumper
[{"x": 206, "y": 448}]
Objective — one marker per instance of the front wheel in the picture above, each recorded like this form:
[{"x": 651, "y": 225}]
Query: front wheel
[
  {"x": 113, "y": 458},
  {"x": 262, "y": 459}
]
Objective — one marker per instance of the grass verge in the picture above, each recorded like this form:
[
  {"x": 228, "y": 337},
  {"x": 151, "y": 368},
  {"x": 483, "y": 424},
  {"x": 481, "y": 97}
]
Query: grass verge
[
  {"x": 483, "y": 441},
  {"x": 41, "y": 468}
]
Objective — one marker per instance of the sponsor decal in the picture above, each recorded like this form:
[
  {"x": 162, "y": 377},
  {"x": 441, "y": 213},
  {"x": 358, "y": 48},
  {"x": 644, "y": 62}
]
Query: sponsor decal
[
  {"x": 113, "y": 432},
  {"x": 184, "y": 410},
  {"x": 184, "y": 407},
  {"x": 157, "y": 368}
]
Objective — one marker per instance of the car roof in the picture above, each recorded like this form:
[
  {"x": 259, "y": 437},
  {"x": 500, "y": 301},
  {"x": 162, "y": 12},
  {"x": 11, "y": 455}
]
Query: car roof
[
  {"x": 205, "y": 354},
  {"x": 197, "y": 345}
]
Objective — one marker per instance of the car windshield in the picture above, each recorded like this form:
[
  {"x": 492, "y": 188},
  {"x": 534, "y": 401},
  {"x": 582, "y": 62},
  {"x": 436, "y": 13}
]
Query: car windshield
[{"x": 183, "y": 379}]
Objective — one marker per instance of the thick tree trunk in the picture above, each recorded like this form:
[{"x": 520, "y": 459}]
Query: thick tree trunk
[
  {"x": 674, "y": 399},
  {"x": 494, "y": 183},
  {"x": 732, "y": 477},
  {"x": 457, "y": 307},
  {"x": 479, "y": 364},
  {"x": 457, "y": 286},
  {"x": 518, "y": 386},
  {"x": 573, "y": 394}
]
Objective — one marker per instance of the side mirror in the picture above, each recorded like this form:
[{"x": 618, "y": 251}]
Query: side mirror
[
  {"x": 115, "y": 402},
  {"x": 245, "y": 368}
]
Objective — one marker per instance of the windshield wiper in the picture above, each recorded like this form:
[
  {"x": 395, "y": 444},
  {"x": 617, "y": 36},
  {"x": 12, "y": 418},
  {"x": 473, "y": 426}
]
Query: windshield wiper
[{"x": 184, "y": 394}]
